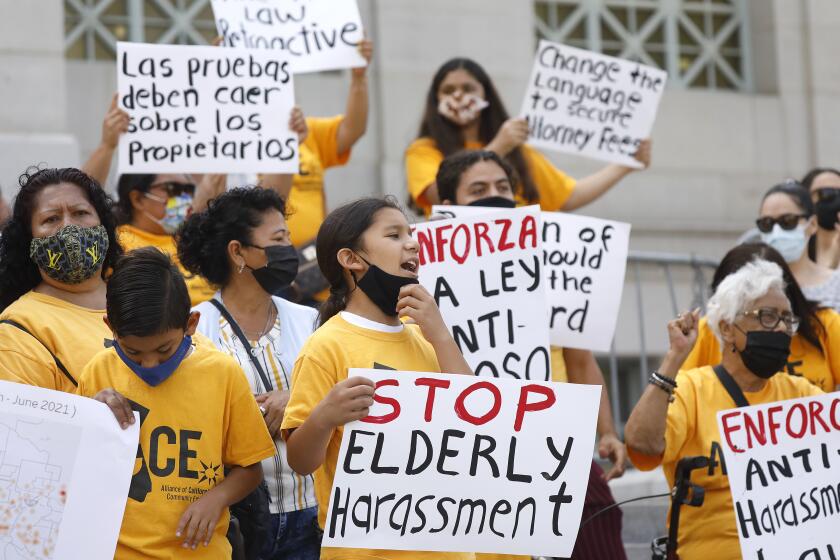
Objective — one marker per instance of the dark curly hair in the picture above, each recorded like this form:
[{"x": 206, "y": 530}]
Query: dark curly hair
[
  {"x": 448, "y": 136},
  {"x": 18, "y": 274},
  {"x": 453, "y": 167},
  {"x": 203, "y": 239}
]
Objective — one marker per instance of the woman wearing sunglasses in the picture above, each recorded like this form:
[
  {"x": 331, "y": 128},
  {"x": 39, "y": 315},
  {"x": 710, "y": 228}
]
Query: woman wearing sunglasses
[
  {"x": 824, "y": 185},
  {"x": 786, "y": 223},
  {"x": 150, "y": 210},
  {"x": 815, "y": 346}
]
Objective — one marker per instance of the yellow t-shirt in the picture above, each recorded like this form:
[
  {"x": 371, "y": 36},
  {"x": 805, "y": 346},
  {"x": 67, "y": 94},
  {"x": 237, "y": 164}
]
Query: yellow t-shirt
[
  {"x": 74, "y": 334},
  {"x": 134, "y": 238},
  {"x": 322, "y": 363},
  {"x": 709, "y": 531},
  {"x": 306, "y": 205},
  {"x": 422, "y": 160},
  {"x": 823, "y": 370},
  {"x": 192, "y": 425}
]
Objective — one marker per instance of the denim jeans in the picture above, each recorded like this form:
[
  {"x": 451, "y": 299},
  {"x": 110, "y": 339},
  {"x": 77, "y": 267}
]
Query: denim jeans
[{"x": 296, "y": 536}]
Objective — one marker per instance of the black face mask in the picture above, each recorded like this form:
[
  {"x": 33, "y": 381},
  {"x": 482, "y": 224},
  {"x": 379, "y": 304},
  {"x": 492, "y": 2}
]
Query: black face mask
[
  {"x": 827, "y": 213},
  {"x": 766, "y": 352},
  {"x": 280, "y": 270},
  {"x": 494, "y": 202},
  {"x": 382, "y": 288}
]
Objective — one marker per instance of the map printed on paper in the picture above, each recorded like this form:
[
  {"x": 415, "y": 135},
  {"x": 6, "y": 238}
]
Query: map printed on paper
[{"x": 36, "y": 464}]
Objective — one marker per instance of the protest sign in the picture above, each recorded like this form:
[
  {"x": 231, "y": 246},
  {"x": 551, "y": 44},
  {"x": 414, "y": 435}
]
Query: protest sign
[
  {"x": 782, "y": 459},
  {"x": 594, "y": 105},
  {"x": 485, "y": 275},
  {"x": 583, "y": 261},
  {"x": 314, "y": 35},
  {"x": 205, "y": 110},
  {"x": 460, "y": 464},
  {"x": 64, "y": 462}
]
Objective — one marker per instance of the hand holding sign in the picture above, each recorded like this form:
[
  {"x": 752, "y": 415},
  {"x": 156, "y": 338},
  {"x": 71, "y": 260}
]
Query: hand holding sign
[
  {"x": 512, "y": 134},
  {"x": 115, "y": 124},
  {"x": 347, "y": 401}
]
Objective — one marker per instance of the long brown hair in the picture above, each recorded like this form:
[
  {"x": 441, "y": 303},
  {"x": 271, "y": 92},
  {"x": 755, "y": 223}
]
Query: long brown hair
[{"x": 448, "y": 135}]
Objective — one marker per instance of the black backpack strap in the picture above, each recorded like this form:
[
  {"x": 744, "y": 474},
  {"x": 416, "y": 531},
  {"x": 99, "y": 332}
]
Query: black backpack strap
[
  {"x": 54, "y": 357},
  {"x": 244, "y": 340},
  {"x": 731, "y": 386}
]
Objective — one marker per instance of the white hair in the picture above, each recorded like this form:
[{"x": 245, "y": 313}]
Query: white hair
[{"x": 741, "y": 289}]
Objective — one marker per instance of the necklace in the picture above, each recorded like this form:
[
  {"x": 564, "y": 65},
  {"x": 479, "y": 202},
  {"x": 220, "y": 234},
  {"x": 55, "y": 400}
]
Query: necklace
[{"x": 269, "y": 323}]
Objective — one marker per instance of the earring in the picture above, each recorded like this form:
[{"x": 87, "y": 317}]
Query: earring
[{"x": 241, "y": 268}]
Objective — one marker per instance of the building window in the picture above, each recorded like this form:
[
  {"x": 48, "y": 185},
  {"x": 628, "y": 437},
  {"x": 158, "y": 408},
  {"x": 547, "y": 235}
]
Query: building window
[
  {"x": 701, "y": 43},
  {"x": 93, "y": 27}
]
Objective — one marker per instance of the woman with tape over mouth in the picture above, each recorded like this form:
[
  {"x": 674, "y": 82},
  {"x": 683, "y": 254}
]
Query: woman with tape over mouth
[
  {"x": 241, "y": 243},
  {"x": 824, "y": 185},
  {"x": 480, "y": 178},
  {"x": 55, "y": 252},
  {"x": 676, "y": 416},
  {"x": 464, "y": 111}
]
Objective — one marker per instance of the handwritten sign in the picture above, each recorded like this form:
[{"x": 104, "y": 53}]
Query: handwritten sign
[
  {"x": 783, "y": 461},
  {"x": 583, "y": 262},
  {"x": 205, "y": 110},
  {"x": 460, "y": 464},
  {"x": 64, "y": 461},
  {"x": 486, "y": 276},
  {"x": 594, "y": 105},
  {"x": 314, "y": 35}
]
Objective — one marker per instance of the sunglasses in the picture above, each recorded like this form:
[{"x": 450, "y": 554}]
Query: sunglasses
[
  {"x": 827, "y": 194},
  {"x": 787, "y": 222},
  {"x": 175, "y": 189}
]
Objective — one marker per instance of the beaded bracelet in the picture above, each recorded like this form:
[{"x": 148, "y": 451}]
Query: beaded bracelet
[
  {"x": 654, "y": 379},
  {"x": 663, "y": 379}
]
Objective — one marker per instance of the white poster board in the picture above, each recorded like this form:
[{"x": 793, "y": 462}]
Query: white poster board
[
  {"x": 584, "y": 261},
  {"x": 461, "y": 464},
  {"x": 314, "y": 35},
  {"x": 783, "y": 463},
  {"x": 585, "y": 103},
  {"x": 205, "y": 110},
  {"x": 65, "y": 469},
  {"x": 485, "y": 274}
]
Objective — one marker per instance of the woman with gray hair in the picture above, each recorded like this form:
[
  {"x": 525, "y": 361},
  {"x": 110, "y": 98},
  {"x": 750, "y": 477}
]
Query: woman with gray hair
[{"x": 676, "y": 416}]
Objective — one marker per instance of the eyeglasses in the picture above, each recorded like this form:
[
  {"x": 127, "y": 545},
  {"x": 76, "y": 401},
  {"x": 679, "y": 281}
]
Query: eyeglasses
[
  {"x": 770, "y": 318},
  {"x": 827, "y": 194},
  {"x": 787, "y": 222},
  {"x": 175, "y": 189}
]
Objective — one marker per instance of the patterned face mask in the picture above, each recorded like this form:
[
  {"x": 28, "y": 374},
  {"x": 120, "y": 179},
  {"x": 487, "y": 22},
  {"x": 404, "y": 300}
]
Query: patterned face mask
[
  {"x": 177, "y": 209},
  {"x": 72, "y": 255}
]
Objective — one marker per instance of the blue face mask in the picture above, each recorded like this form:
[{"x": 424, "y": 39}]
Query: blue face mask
[{"x": 154, "y": 376}]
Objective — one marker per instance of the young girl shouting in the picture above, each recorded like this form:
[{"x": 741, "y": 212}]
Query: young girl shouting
[{"x": 366, "y": 252}]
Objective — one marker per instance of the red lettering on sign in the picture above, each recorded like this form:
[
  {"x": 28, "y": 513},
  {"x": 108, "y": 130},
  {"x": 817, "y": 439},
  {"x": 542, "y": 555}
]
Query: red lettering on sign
[
  {"x": 432, "y": 383},
  {"x": 524, "y": 406},
  {"x": 464, "y": 414},
  {"x": 395, "y": 406}
]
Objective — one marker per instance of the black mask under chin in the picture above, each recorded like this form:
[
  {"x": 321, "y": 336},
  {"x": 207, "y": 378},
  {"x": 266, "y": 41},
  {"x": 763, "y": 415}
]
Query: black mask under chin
[
  {"x": 383, "y": 288},
  {"x": 766, "y": 352},
  {"x": 494, "y": 202}
]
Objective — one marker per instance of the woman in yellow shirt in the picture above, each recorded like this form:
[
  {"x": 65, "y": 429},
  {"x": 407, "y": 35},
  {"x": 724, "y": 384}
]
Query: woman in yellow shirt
[
  {"x": 815, "y": 348},
  {"x": 463, "y": 110},
  {"x": 751, "y": 316},
  {"x": 54, "y": 253},
  {"x": 366, "y": 251}
]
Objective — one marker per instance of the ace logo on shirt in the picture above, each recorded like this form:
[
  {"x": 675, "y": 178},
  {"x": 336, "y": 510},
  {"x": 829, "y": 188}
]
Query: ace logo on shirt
[{"x": 173, "y": 456}]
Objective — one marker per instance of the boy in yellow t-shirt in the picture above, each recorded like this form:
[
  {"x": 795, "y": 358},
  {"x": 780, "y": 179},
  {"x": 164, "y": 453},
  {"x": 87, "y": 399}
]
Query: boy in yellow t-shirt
[{"x": 201, "y": 433}]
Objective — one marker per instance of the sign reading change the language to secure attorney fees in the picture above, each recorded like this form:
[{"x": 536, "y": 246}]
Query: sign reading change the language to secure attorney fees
[{"x": 589, "y": 104}]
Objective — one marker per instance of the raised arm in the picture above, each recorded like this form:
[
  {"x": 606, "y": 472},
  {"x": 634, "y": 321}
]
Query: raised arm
[
  {"x": 645, "y": 429},
  {"x": 592, "y": 187},
  {"x": 354, "y": 124},
  {"x": 115, "y": 123}
]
